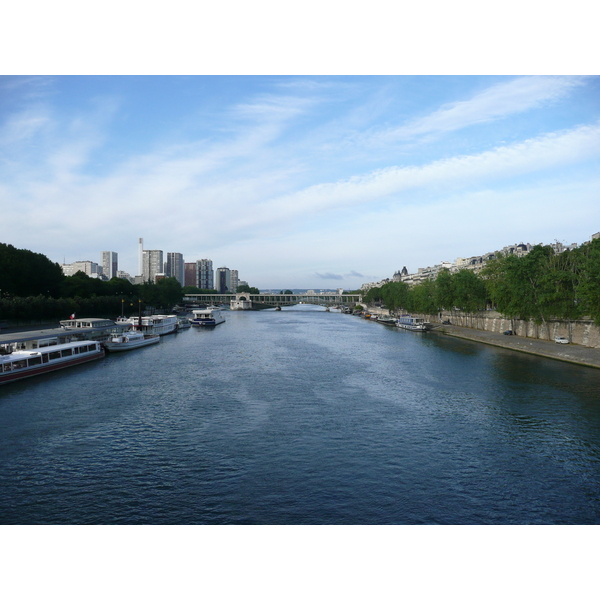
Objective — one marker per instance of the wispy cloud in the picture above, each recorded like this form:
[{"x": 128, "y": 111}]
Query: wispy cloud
[
  {"x": 329, "y": 276},
  {"x": 496, "y": 102}
]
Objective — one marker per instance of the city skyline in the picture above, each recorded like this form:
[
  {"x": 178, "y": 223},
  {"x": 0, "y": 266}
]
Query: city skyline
[{"x": 295, "y": 180}]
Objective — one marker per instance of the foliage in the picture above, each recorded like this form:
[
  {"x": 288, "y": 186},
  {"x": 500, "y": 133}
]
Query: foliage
[
  {"x": 247, "y": 289},
  {"x": 26, "y": 273}
]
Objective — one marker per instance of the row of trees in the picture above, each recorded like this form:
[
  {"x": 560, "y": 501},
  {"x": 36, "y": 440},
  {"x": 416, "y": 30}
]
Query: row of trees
[
  {"x": 34, "y": 288},
  {"x": 541, "y": 285}
]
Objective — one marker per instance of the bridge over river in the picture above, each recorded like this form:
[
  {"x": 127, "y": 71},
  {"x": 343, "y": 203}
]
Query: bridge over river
[{"x": 248, "y": 301}]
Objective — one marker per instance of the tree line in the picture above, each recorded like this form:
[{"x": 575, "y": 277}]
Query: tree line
[
  {"x": 541, "y": 285},
  {"x": 34, "y": 288}
]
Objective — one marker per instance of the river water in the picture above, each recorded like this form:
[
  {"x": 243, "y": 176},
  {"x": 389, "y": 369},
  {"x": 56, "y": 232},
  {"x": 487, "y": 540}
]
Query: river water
[{"x": 303, "y": 416}]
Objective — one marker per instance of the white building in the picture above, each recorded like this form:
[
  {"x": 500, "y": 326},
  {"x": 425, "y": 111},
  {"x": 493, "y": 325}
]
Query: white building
[
  {"x": 153, "y": 264},
  {"x": 234, "y": 280},
  {"x": 88, "y": 267}
]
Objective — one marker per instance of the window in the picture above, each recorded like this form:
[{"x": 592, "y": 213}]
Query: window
[
  {"x": 35, "y": 360},
  {"x": 67, "y": 352},
  {"x": 54, "y": 355}
]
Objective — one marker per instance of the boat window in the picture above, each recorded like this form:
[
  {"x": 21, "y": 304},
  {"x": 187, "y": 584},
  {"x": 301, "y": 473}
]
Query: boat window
[
  {"x": 44, "y": 358},
  {"x": 19, "y": 364},
  {"x": 54, "y": 355},
  {"x": 35, "y": 360},
  {"x": 67, "y": 352},
  {"x": 76, "y": 350}
]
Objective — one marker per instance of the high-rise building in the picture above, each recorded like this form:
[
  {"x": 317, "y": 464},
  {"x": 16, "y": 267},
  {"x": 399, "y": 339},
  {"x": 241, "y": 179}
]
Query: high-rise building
[
  {"x": 141, "y": 255},
  {"x": 152, "y": 264},
  {"x": 190, "y": 277},
  {"x": 109, "y": 264},
  {"x": 174, "y": 267},
  {"x": 234, "y": 280},
  {"x": 223, "y": 280},
  {"x": 205, "y": 274}
]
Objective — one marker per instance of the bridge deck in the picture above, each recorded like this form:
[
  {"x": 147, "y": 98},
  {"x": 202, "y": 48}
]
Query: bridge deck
[{"x": 277, "y": 299}]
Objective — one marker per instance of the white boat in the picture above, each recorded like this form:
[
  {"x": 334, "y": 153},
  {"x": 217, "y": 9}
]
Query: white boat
[
  {"x": 28, "y": 363},
  {"x": 154, "y": 324},
  {"x": 183, "y": 323},
  {"x": 207, "y": 317},
  {"x": 129, "y": 341},
  {"x": 412, "y": 323}
]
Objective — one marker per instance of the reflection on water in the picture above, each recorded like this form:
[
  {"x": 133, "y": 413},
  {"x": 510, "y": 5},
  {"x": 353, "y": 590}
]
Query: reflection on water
[{"x": 304, "y": 416}]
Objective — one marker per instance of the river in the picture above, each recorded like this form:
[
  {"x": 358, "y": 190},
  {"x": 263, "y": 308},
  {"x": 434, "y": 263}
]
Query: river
[{"x": 303, "y": 416}]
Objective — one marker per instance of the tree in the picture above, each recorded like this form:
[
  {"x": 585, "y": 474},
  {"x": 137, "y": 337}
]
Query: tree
[
  {"x": 587, "y": 285},
  {"x": 470, "y": 293},
  {"x": 247, "y": 289},
  {"x": 26, "y": 273},
  {"x": 190, "y": 289},
  {"x": 444, "y": 290}
]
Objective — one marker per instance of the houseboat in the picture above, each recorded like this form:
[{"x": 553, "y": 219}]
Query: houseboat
[
  {"x": 208, "y": 317},
  {"x": 130, "y": 340},
  {"x": 28, "y": 363},
  {"x": 412, "y": 323},
  {"x": 154, "y": 324}
]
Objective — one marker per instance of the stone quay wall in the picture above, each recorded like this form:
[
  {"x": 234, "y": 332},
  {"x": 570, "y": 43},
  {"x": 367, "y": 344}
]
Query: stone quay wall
[{"x": 582, "y": 332}]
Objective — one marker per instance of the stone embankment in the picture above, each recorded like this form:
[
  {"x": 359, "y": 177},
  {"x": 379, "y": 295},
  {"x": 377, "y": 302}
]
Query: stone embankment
[
  {"x": 584, "y": 336},
  {"x": 573, "y": 353}
]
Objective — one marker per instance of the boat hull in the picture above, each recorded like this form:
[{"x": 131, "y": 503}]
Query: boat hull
[
  {"x": 32, "y": 371},
  {"x": 132, "y": 344}
]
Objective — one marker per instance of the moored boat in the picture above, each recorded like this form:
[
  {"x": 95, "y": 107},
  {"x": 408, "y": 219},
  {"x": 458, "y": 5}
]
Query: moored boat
[
  {"x": 208, "y": 317},
  {"x": 412, "y": 323},
  {"x": 154, "y": 324},
  {"x": 28, "y": 363},
  {"x": 129, "y": 341},
  {"x": 183, "y": 323}
]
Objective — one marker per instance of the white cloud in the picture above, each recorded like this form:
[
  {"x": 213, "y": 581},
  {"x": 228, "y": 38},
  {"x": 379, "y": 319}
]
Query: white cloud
[{"x": 496, "y": 102}]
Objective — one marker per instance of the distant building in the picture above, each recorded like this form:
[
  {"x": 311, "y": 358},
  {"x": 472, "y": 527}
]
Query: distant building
[
  {"x": 88, "y": 267},
  {"x": 205, "y": 277},
  {"x": 123, "y": 275},
  {"x": 189, "y": 274},
  {"x": 234, "y": 280},
  {"x": 109, "y": 264},
  {"x": 223, "y": 280},
  {"x": 153, "y": 264},
  {"x": 174, "y": 267},
  {"x": 140, "y": 256}
]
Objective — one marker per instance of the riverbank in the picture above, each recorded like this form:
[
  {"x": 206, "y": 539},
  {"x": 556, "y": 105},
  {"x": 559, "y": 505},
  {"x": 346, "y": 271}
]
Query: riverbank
[{"x": 572, "y": 353}]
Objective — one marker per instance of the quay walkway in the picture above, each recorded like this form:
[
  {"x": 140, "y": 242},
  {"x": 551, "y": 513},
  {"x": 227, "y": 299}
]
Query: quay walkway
[{"x": 572, "y": 353}]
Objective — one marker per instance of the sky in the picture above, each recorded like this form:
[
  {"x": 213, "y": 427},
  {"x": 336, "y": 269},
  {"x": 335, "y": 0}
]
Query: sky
[{"x": 298, "y": 181}]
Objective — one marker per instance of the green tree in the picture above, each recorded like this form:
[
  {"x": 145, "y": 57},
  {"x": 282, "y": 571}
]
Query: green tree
[
  {"x": 470, "y": 293},
  {"x": 247, "y": 289},
  {"x": 444, "y": 290},
  {"x": 587, "y": 285},
  {"x": 26, "y": 273}
]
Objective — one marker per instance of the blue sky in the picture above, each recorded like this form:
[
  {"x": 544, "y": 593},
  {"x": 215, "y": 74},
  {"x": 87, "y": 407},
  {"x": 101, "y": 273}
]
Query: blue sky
[{"x": 298, "y": 181}]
